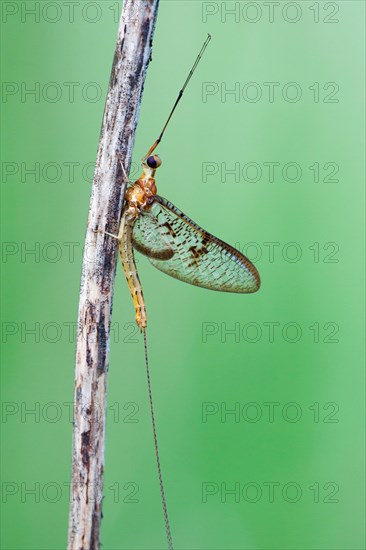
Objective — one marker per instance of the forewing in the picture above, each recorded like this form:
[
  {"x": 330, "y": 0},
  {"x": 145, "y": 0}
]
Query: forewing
[{"x": 192, "y": 254}]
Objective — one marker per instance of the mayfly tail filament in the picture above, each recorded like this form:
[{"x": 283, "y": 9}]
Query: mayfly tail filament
[{"x": 162, "y": 492}]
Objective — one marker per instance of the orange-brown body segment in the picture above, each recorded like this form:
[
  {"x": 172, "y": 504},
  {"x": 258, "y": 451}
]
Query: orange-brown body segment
[{"x": 138, "y": 198}]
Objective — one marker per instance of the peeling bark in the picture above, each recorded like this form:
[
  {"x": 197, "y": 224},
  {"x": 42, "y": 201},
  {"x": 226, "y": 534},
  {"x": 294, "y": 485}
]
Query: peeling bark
[{"x": 131, "y": 59}]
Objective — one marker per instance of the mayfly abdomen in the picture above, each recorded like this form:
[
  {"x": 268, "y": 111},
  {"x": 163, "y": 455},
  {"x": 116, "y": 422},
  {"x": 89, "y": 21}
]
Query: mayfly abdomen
[{"x": 129, "y": 267}]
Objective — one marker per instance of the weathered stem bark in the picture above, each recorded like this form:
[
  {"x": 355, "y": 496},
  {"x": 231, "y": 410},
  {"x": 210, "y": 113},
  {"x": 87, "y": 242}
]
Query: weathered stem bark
[{"x": 131, "y": 58}]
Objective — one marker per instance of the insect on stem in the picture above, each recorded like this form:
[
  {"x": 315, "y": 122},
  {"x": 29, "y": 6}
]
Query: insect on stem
[
  {"x": 153, "y": 147},
  {"x": 177, "y": 246}
]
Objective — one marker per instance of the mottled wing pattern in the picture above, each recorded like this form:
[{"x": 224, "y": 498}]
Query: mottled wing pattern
[
  {"x": 179, "y": 247},
  {"x": 150, "y": 237}
]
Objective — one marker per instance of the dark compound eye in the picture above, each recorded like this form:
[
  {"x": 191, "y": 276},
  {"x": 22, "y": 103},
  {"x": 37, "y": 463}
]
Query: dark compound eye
[{"x": 154, "y": 161}]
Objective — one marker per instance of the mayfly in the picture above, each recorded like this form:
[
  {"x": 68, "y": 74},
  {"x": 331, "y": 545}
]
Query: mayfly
[{"x": 177, "y": 246}]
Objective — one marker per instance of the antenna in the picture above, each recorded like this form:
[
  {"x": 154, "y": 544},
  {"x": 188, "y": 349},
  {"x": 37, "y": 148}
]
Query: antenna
[{"x": 153, "y": 147}]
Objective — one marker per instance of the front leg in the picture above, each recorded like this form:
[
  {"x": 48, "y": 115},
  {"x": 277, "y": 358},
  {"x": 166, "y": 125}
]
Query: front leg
[{"x": 106, "y": 233}]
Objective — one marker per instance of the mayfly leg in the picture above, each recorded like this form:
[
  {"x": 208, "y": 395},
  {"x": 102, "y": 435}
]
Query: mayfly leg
[
  {"x": 181, "y": 92},
  {"x": 129, "y": 267}
]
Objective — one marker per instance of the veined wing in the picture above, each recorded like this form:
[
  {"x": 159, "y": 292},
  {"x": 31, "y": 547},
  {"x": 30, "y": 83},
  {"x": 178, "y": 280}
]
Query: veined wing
[
  {"x": 179, "y": 247},
  {"x": 150, "y": 237}
]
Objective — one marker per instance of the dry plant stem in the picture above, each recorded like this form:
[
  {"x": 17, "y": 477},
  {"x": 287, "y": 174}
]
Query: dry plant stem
[{"x": 132, "y": 55}]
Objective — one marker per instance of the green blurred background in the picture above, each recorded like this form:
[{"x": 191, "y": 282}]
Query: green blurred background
[{"x": 285, "y": 469}]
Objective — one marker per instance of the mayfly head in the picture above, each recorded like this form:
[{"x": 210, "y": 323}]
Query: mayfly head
[
  {"x": 154, "y": 161},
  {"x": 147, "y": 180},
  {"x": 150, "y": 165}
]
